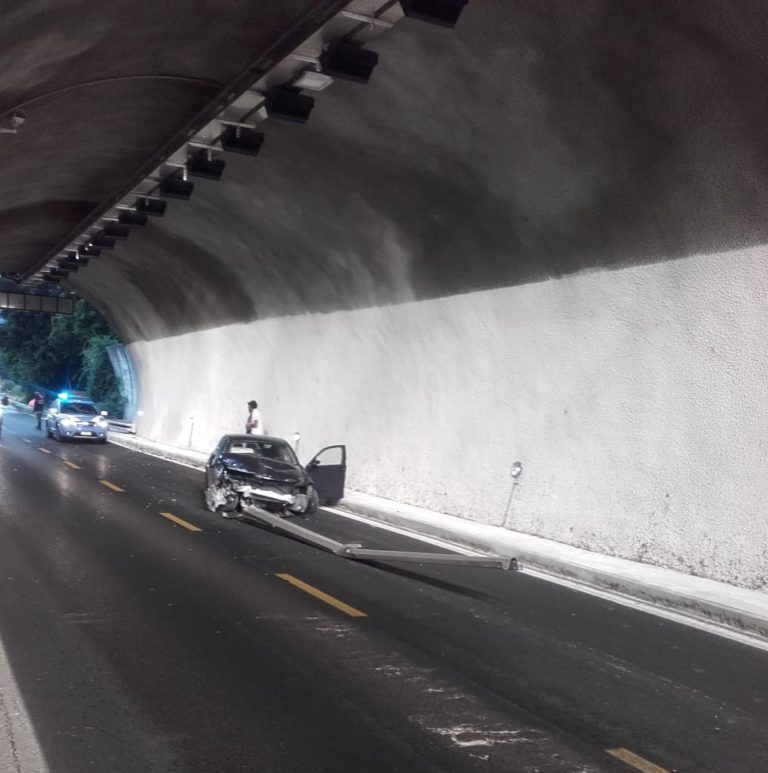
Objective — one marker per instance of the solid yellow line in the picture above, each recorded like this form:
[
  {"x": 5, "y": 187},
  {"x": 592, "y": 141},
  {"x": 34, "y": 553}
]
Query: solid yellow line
[
  {"x": 636, "y": 762},
  {"x": 44, "y": 450},
  {"x": 180, "y": 521},
  {"x": 318, "y": 594},
  {"x": 111, "y": 485},
  {"x": 72, "y": 465}
]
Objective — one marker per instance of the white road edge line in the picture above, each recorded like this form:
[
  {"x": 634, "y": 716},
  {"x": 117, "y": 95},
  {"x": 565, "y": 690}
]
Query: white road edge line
[
  {"x": 642, "y": 606},
  {"x": 616, "y": 598},
  {"x": 436, "y": 541},
  {"x": 20, "y": 751}
]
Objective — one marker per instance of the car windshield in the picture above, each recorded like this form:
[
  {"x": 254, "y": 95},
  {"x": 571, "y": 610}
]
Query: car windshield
[
  {"x": 269, "y": 449},
  {"x": 78, "y": 408}
]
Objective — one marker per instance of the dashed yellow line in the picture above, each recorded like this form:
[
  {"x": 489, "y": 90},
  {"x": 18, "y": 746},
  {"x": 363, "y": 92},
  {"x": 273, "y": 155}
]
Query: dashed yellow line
[
  {"x": 636, "y": 761},
  {"x": 44, "y": 450},
  {"x": 111, "y": 486},
  {"x": 318, "y": 594},
  {"x": 26, "y": 440},
  {"x": 72, "y": 465},
  {"x": 180, "y": 521}
]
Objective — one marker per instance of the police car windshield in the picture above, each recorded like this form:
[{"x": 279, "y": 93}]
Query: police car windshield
[{"x": 78, "y": 408}]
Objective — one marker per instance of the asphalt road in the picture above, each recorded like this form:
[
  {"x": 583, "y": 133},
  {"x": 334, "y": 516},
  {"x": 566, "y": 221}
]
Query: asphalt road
[{"x": 140, "y": 644}]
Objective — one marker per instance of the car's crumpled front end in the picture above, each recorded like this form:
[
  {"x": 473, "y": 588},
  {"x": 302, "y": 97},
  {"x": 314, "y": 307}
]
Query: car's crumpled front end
[{"x": 252, "y": 480}]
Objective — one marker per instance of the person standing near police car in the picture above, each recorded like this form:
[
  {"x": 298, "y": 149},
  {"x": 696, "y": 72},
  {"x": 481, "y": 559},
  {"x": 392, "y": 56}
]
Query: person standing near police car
[
  {"x": 253, "y": 422},
  {"x": 38, "y": 406}
]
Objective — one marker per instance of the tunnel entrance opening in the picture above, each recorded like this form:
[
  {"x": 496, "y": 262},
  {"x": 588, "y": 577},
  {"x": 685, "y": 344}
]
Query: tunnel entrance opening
[{"x": 53, "y": 353}]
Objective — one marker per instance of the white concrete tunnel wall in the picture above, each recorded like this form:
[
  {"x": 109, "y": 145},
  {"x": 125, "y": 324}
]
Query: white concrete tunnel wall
[{"x": 634, "y": 398}]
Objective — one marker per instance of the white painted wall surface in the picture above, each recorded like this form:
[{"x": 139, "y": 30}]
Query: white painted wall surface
[{"x": 635, "y": 399}]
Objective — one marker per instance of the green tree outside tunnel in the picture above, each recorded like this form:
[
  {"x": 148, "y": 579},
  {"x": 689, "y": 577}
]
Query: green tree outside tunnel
[{"x": 62, "y": 352}]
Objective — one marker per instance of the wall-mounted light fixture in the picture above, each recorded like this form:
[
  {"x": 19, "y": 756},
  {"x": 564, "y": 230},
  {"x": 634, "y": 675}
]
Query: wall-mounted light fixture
[
  {"x": 176, "y": 187},
  {"x": 349, "y": 61},
  {"x": 132, "y": 218},
  {"x": 116, "y": 230},
  {"x": 241, "y": 139},
  {"x": 102, "y": 242},
  {"x": 515, "y": 472},
  {"x": 151, "y": 205},
  {"x": 289, "y": 104},
  {"x": 204, "y": 164},
  {"x": 10, "y": 122}
]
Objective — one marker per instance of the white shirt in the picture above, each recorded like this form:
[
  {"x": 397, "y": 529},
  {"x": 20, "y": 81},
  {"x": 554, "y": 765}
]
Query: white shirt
[{"x": 253, "y": 424}]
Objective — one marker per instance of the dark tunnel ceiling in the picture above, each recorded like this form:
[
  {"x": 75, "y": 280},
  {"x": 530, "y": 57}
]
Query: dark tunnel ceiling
[
  {"x": 106, "y": 85},
  {"x": 537, "y": 139}
]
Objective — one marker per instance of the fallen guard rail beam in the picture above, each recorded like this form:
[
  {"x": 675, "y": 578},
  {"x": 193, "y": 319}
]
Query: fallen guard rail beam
[{"x": 355, "y": 551}]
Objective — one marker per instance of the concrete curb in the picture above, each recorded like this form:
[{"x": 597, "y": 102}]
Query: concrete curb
[
  {"x": 700, "y": 598},
  {"x": 734, "y": 608}
]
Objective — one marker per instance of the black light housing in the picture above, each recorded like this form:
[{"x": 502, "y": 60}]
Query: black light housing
[
  {"x": 117, "y": 231},
  {"x": 132, "y": 219},
  {"x": 69, "y": 264},
  {"x": 200, "y": 165},
  {"x": 443, "y": 12},
  {"x": 240, "y": 139},
  {"x": 153, "y": 207},
  {"x": 90, "y": 252},
  {"x": 50, "y": 277},
  {"x": 349, "y": 62},
  {"x": 175, "y": 187},
  {"x": 73, "y": 257},
  {"x": 102, "y": 242},
  {"x": 289, "y": 104}
]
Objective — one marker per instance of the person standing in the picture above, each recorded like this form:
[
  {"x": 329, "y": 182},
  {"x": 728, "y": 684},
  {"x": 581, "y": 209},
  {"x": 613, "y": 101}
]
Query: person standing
[
  {"x": 253, "y": 422},
  {"x": 38, "y": 406}
]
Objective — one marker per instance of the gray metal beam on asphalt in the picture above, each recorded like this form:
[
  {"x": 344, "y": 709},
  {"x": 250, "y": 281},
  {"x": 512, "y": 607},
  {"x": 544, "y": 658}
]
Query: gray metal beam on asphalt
[
  {"x": 357, "y": 552},
  {"x": 412, "y": 557}
]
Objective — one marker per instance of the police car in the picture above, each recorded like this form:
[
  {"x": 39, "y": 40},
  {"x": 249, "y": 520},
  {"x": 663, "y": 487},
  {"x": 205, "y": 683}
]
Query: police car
[{"x": 74, "y": 415}]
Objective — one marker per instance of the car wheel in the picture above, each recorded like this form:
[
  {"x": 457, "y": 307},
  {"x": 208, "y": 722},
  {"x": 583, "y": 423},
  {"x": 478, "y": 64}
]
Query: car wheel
[
  {"x": 331, "y": 502},
  {"x": 48, "y": 431},
  {"x": 232, "y": 504},
  {"x": 57, "y": 435},
  {"x": 102, "y": 440},
  {"x": 213, "y": 502},
  {"x": 313, "y": 503}
]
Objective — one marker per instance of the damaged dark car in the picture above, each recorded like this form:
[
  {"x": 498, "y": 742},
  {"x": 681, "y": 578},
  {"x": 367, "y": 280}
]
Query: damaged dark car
[{"x": 265, "y": 472}]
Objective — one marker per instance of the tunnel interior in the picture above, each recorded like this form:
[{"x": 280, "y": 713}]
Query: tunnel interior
[{"x": 539, "y": 236}]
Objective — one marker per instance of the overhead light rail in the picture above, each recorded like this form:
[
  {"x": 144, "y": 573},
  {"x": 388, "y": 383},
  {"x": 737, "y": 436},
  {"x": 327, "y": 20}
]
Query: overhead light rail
[{"x": 335, "y": 52}]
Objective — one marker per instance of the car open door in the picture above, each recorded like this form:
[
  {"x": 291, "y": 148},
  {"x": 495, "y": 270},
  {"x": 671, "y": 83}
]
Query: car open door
[{"x": 328, "y": 469}]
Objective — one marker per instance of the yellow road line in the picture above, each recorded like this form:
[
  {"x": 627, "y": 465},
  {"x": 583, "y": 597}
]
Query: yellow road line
[
  {"x": 44, "y": 450},
  {"x": 26, "y": 440},
  {"x": 635, "y": 761},
  {"x": 180, "y": 521},
  {"x": 72, "y": 465},
  {"x": 111, "y": 485},
  {"x": 318, "y": 594}
]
